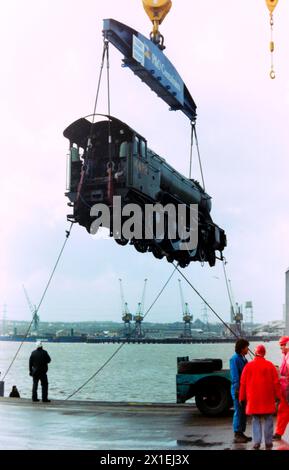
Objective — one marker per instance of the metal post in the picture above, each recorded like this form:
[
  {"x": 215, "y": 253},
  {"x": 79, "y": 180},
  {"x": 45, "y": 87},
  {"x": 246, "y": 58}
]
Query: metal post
[{"x": 1, "y": 388}]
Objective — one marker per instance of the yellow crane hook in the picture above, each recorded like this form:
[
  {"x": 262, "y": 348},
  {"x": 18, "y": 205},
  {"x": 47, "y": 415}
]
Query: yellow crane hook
[
  {"x": 271, "y": 4},
  {"x": 157, "y": 10}
]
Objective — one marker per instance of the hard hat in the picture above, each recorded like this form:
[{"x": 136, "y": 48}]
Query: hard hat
[
  {"x": 260, "y": 350},
  {"x": 283, "y": 340},
  {"x": 38, "y": 344}
]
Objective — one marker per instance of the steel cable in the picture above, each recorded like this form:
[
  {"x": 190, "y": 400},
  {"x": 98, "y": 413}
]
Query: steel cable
[
  {"x": 42, "y": 297},
  {"x": 121, "y": 346},
  {"x": 208, "y": 305}
]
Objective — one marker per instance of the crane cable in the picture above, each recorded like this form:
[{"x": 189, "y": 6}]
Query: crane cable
[
  {"x": 121, "y": 346},
  {"x": 210, "y": 307},
  {"x": 203, "y": 299},
  {"x": 229, "y": 293},
  {"x": 194, "y": 133},
  {"x": 271, "y": 5},
  {"x": 105, "y": 55},
  {"x": 42, "y": 297}
]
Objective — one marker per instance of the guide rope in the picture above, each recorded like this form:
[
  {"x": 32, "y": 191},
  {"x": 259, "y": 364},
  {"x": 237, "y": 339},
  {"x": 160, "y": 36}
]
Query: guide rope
[
  {"x": 121, "y": 346},
  {"x": 68, "y": 232}
]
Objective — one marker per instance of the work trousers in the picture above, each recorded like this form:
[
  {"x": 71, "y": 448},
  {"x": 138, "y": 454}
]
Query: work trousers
[
  {"x": 239, "y": 418},
  {"x": 44, "y": 386},
  {"x": 282, "y": 417},
  {"x": 257, "y": 428}
]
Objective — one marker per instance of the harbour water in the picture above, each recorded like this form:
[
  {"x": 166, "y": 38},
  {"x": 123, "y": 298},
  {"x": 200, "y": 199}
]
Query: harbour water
[{"x": 137, "y": 373}]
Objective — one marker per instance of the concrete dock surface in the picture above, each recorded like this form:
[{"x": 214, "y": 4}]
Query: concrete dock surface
[{"x": 86, "y": 425}]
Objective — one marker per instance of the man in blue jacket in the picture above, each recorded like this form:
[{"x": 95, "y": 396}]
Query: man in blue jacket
[{"x": 237, "y": 364}]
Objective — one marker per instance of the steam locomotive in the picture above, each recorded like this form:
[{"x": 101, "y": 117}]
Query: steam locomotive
[{"x": 107, "y": 158}]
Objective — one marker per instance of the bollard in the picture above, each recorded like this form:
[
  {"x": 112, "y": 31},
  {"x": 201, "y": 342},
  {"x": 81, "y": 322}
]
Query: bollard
[{"x": 1, "y": 388}]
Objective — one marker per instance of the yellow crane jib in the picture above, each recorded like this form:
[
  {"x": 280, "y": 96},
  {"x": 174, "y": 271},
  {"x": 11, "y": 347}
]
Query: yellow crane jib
[
  {"x": 157, "y": 10},
  {"x": 271, "y": 4}
]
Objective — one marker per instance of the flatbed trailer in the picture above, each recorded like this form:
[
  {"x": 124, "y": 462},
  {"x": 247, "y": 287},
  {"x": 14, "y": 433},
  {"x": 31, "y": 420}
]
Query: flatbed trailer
[{"x": 211, "y": 388}]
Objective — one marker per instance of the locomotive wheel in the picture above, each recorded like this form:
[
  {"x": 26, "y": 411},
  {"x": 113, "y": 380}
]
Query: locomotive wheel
[
  {"x": 184, "y": 263},
  {"x": 121, "y": 241},
  {"x": 157, "y": 252},
  {"x": 141, "y": 246},
  {"x": 170, "y": 258}
]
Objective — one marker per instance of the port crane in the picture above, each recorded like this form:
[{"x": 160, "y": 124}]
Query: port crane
[
  {"x": 236, "y": 312},
  {"x": 187, "y": 317},
  {"x": 126, "y": 315},
  {"x": 139, "y": 316},
  {"x": 33, "y": 310}
]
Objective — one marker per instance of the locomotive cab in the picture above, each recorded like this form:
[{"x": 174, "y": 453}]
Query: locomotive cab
[{"x": 94, "y": 149}]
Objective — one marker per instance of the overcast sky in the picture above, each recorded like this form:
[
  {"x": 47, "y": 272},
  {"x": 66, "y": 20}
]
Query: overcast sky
[{"x": 50, "y": 58}]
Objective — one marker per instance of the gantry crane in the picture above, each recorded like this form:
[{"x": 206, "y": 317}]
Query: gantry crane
[
  {"x": 126, "y": 316},
  {"x": 138, "y": 318},
  {"x": 33, "y": 310},
  {"x": 187, "y": 317}
]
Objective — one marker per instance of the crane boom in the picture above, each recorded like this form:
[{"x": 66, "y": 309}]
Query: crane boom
[
  {"x": 182, "y": 297},
  {"x": 33, "y": 310},
  {"x": 187, "y": 317},
  {"x": 31, "y": 306},
  {"x": 143, "y": 296},
  {"x": 122, "y": 296},
  {"x": 126, "y": 316}
]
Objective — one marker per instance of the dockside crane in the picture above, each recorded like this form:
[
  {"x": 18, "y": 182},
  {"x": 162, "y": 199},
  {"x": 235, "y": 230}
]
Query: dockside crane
[
  {"x": 236, "y": 312},
  {"x": 126, "y": 315},
  {"x": 139, "y": 316},
  {"x": 187, "y": 317},
  {"x": 33, "y": 310}
]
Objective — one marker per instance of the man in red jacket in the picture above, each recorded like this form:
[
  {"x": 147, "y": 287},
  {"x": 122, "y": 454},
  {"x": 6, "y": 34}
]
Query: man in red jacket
[{"x": 260, "y": 388}]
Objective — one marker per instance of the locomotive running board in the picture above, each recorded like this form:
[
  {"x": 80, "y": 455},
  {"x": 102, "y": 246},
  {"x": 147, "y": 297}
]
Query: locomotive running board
[{"x": 150, "y": 64}]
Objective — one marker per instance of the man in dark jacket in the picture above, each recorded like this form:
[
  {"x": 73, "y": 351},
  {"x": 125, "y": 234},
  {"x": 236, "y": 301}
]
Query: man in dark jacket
[
  {"x": 38, "y": 370},
  {"x": 237, "y": 364}
]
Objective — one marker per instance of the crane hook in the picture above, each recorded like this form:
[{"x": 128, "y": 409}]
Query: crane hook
[
  {"x": 271, "y": 4},
  {"x": 157, "y": 10}
]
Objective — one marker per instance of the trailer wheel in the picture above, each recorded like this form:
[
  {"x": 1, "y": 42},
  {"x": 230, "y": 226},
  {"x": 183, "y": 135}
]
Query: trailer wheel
[{"x": 213, "y": 399}]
